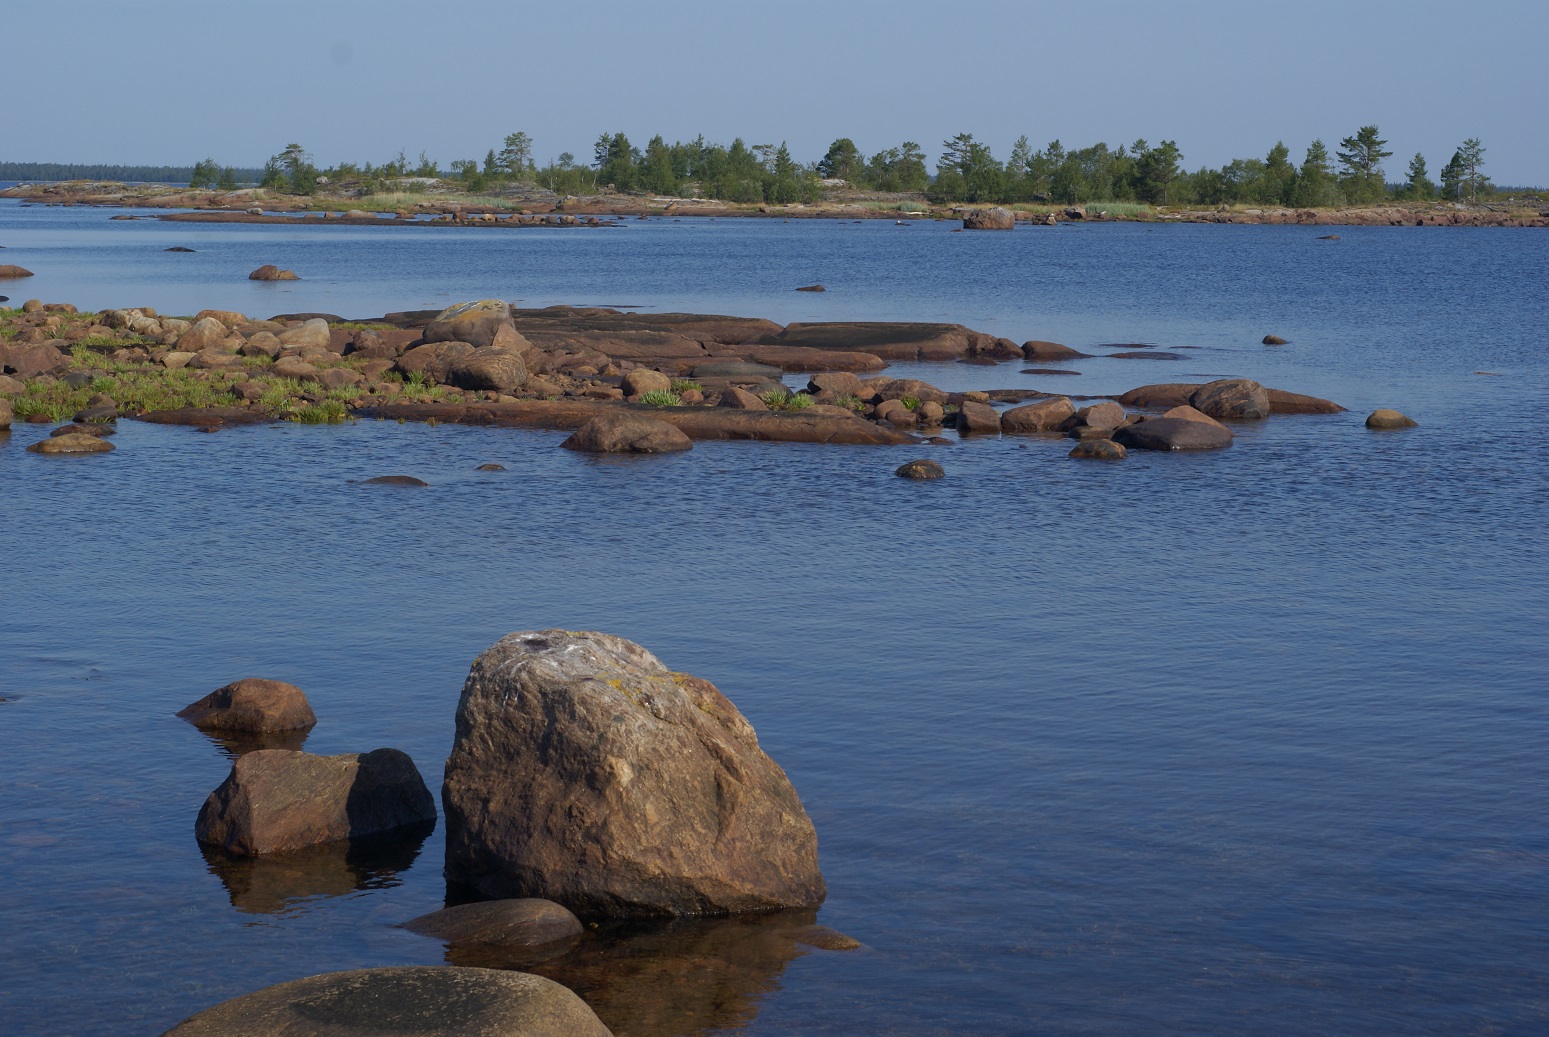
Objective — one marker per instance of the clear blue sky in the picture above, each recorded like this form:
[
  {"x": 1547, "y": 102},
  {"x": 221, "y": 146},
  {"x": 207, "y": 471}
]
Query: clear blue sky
[{"x": 167, "y": 81}]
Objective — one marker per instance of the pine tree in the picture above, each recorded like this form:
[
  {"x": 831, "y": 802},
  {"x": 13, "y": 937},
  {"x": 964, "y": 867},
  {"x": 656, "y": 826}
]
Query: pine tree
[
  {"x": 1419, "y": 186},
  {"x": 1362, "y": 156}
]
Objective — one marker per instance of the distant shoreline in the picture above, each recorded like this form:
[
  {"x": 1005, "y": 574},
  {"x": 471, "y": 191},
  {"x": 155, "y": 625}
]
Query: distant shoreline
[{"x": 449, "y": 209}]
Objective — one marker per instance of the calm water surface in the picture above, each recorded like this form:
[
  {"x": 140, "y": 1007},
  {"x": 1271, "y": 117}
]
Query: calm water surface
[{"x": 1243, "y": 743}]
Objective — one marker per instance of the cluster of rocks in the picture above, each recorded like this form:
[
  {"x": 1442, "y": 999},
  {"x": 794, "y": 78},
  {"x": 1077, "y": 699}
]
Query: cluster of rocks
[{"x": 586, "y": 779}]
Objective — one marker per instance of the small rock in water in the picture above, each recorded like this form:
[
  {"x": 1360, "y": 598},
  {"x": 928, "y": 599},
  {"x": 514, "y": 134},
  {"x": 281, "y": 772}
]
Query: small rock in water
[
  {"x": 1328, "y": 237},
  {"x": 177, "y": 248},
  {"x": 1099, "y": 450},
  {"x": 490, "y": 468},
  {"x": 812, "y": 288},
  {"x": 1274, "y": 340},
  {"x": 1383, "y": 418},
  {"x": 252, "y": 705},
  {"x": 523, "y": 922},
  {"x": 627, "y": 434},
  {"x": 71, "y": 443},
  {"x": 823, "y": 938},
  {"x": 923, "y": 468},
  {"x": 395, "y": 480},
  {"x": 270, "y": 272},
  {"x": 82, "y": 430}
]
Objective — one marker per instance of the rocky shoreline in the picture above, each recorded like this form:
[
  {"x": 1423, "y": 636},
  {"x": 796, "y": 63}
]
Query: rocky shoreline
[
  {"x": 535, "y": 209},
  {"x": 622, "y": 382}
]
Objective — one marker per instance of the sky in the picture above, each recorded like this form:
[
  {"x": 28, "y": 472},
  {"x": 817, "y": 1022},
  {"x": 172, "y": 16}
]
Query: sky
[{"x": 169, "y": 82}]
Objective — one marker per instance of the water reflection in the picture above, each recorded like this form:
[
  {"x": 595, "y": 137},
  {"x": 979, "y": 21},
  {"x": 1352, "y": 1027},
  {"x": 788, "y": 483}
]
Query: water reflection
[
  {"x": 673, "y": 980},
  {"x": 279, "y": 883},
  {"x": 233, "y": 744}
]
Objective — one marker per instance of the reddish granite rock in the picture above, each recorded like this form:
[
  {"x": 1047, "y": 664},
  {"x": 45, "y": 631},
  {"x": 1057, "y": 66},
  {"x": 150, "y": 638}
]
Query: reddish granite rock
[
  {"x": 624, "y": 432},
  {"x": 253, "y": 705},
  {"x": 1042, "y": 416}
]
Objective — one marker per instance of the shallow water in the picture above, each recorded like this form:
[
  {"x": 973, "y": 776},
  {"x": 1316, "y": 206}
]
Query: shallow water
[{"x": 1247, "y": 743}]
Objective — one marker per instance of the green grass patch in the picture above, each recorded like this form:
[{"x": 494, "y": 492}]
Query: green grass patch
[
  {"x": 329, "y": 412},
  {"x": 681, "y": 385},
  {"x": 661, "y": 398}
]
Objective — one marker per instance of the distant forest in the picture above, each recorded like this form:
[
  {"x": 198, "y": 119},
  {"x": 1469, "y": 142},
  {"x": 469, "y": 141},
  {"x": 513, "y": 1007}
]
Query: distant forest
[{"x": 123, "y": 174}]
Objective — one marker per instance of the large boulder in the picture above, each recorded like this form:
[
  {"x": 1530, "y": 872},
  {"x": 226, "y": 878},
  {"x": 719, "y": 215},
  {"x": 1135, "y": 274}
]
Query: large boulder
[
  {"x": 29, "y": 361},
  {"x": 924, "y": 468},
  {"x": 586, "y": 772},
  {"x": 276, "y": 800},
  {"x": 1042, "y": 416},
  {"x": 432, "y": 360},
  {"x": 627, "y": 433},
  {"x": 11, "y": 270},
  {"x": 1173, "y": 434},
  {"x": 1232, "y": 399},
  {"x": 252, "y": 705},
  {"x": 478, "y": 310},
  {"x": 996, "y": 218},
  {"x": 643, "y": 380},
  {"x": 1165, "y": 395},
  {"x": 488, "y": 367},
  {"x": 204, "y": 333},
  {"x": 523, "y": 922},
  {"x": 977, "y": 419},
  {"x": 312, "y": 333},
  {"x": 405, "y": 1001},
  {"x": 270, "y": 272}
]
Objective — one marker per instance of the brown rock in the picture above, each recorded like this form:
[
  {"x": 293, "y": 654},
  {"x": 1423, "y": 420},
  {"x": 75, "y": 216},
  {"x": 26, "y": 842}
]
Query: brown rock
[
  {"x": 995, "y": 218},
  {"x": 309, "y": 334},
  {"x": 205, "y": 333},
  {"x": 270, "y": 272},
  {"x": 804, "y": 358},
  {"x": 643, "y": 380},
  {"x": 214, "y": 358},
  {"x": 1232, "y": 399},
  {"x": 1382, "y": 419},
  {"x": 252, "y": 705},
  {"x": 7, "y": 414},
  {"x": 1105, "y": 415},
  {"x": 585, "y": 771},
  {"x": 1168, "y": 394},
  {"x": 204, "y": 416},
  {"x": 293, "y": 367},
  {"x": 896, "y": 413},
  {"x": 1173, "y": 434},
  {"x": 230, "y": 318},
  {"x": 1043, "y": 416},
  {"x": 526, "y": 922},
  {"x": 924, "y": 468},
  {"x": 432, "y": 360},
  {"x": 394, "y": 480},
  {"x": 977, "y": 419},
  {"x": 1187, "y": 413},
  {"x": 1099, "y": 450},
  {"x": 889, "y": 340},
  {"x": 1282, "y": 402},
  {"x": 11, "y": 270},
  {"x": 1050, "y": 351},
  {"x": 842, "y": 382},
  {"x": 812, "y": 288},
  {"x": 276, "y": 800},
  {"x": 487, "y": 368},
  {"x": 177, "y": 359},
  {"x": 627, "y": 433},
  {"x": 29, "y": 361},
  {"x": 262, "y": 343},
  {"x": 741, "y": 399},
  {"x": 339, "y": 378},
  {"x": 1274, "y": 340},
  {"x": 405, "y": 1001},
  {"x": 72, "y": 443}
]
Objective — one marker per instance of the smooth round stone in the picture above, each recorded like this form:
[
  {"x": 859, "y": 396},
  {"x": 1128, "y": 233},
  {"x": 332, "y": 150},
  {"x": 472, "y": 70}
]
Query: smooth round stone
[
  {"x": 1099, "y": 450},
  {"x": 395, "y": 480},
  {"x": 522, "y": 922},
  {"x": 1383, "y": 418},
  {"x": 71, "y": 443},
  {"x": 407, "y": 1001},
  {"x": 491, "y": 468}
]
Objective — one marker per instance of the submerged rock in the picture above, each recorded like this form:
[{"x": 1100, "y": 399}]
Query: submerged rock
[
  {"x": 270, "y": 272},
  {"x": 584, "y": 771},
  {"x": 252, "y": 705},
  {"x": 1099, "y": 450},
  {"x": 527, "y": 922},
  {"x": 276, "y": 800},
  {"x": 924, "y": 468},
  {"x": 71, "y": 443},
  {"x": 626, "y": 433},
  {"x": 405, "y": 1001},
  {"x": 1384, "y": 419},
  {"x": 394, "y": 480},
  {"x": 1173, "y": 434}
]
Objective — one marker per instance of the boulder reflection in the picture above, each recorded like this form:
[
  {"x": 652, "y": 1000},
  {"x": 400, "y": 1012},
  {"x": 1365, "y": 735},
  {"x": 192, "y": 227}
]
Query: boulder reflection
[
  {"x": 670, "y": 980},
  {"x": 279, "y": 883},
  {"x": 234, "y": 743}
]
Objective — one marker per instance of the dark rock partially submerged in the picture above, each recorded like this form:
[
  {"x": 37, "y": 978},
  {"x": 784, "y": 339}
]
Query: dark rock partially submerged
[
  {"x": 276, "y": 800},
  {"x": 1173, "y": 434},
  {"x": 526, "y": 922}
]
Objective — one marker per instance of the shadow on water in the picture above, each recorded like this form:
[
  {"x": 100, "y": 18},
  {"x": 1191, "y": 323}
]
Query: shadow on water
[
  {"x": 276, "y": 884},
  {"x": 234, "y": 744},
  {"x": 674, "y": 979}
]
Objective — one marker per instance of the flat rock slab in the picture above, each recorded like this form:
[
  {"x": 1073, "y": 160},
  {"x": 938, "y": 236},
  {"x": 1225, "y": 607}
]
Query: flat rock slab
[
  {"x": 523, "y": 922},
  {"x": 71, "y": 443},
  {"x": 806, "y": 358},
  {"x": 406, "y": 1001},
  {"x": 1173, "y": 434},
  {"x": 205, "y": 416},
  {"x": 890, "y": 340}
]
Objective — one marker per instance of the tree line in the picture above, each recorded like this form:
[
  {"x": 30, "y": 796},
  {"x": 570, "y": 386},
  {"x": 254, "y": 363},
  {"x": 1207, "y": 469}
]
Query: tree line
[{"x": 50, "y": 171}]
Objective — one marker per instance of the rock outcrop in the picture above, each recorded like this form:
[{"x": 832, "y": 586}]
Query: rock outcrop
[
  {"x": 996, "y": 218},
  {"x": 276, "y": 800},
  {"x": 627, "y": 433},
  {"x": 584, "y": 771}
]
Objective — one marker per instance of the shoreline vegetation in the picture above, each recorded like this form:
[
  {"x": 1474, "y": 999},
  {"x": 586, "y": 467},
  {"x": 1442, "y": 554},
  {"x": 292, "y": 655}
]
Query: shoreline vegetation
[
  {"x": 1133, "y": 182},
  {"x": 622, "y": 382}
]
